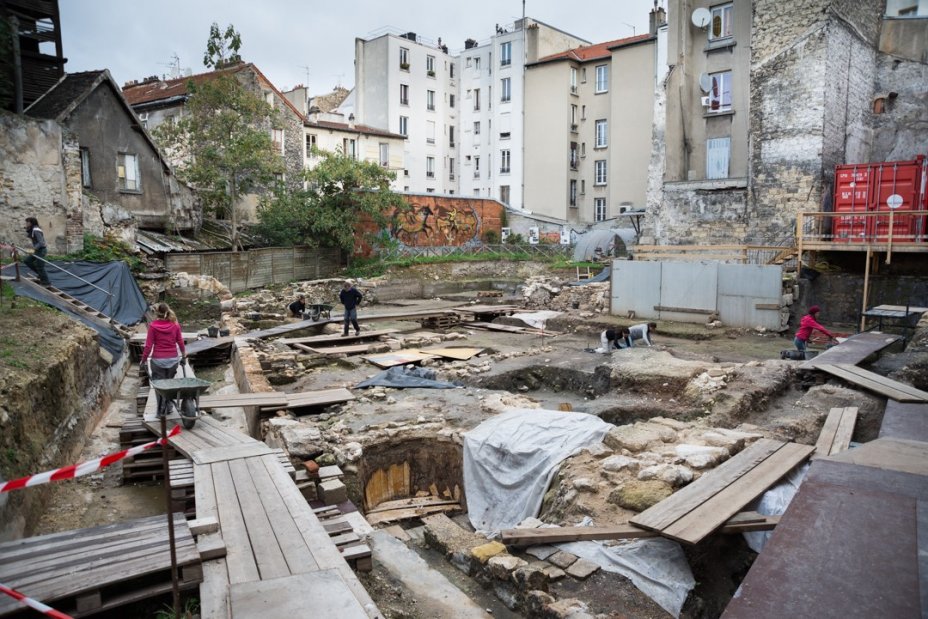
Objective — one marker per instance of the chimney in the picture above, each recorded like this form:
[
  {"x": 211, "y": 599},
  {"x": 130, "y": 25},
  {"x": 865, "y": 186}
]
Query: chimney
[{"x": 657, "y": 18}]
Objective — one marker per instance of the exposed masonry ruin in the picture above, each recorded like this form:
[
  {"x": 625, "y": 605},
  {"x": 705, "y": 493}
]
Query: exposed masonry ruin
[{"x": 813, "y": 80}]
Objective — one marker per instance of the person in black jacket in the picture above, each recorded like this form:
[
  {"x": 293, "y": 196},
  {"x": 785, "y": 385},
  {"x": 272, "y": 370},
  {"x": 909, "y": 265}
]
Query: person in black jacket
[
  {"x": 350, "y": 298},
  {"x": 39, "y": 248},
  {"x": 298, "y": 307}
]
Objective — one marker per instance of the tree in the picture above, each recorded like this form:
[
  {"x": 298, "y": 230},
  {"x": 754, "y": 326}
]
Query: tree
[
  {"x": 341, "y": 192},
  {"x": 222, "y": 142},
  {"x": 222, "y": 48}
]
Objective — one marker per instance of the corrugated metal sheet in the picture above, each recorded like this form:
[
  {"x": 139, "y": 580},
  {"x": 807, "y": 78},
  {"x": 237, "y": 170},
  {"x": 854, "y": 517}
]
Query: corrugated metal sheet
[
  {"x": 636, "y": 286},
  {"x": 689, "y": 285},
  {"x": 742, "y": 287}
]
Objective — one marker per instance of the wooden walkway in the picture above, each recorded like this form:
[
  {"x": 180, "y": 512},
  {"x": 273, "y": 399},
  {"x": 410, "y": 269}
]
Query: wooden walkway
[
  {"x": 905, "y": 421},
  {"x": 871, "y": 381},
  {"x": 362, "y": 317},
  {"x": 85, "y": 571},
  {"x": 277, "y": 553},
  {"x": 853, "y": 350}
]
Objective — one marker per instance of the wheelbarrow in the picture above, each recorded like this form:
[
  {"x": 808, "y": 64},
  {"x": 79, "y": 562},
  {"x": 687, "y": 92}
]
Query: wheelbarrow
[
  {"x": 184, "y": 393},
  {"x": 315, "y": 311}
]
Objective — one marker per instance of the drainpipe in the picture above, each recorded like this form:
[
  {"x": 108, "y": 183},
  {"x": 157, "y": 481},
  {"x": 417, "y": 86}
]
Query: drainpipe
[{"x": 524, "y": 58}]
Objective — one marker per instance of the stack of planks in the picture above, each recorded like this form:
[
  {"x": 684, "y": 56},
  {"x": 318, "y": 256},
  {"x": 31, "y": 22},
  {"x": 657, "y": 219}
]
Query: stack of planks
[{"x": 695, "y": 511}]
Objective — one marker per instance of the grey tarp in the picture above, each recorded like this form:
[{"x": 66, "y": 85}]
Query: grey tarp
[
  {"x": 400, "y": 377},
  {"x": 127, "y": 305}
]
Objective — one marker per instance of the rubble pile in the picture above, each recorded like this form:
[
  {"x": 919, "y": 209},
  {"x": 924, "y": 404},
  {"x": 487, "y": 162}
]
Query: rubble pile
[{"x": 552, "y": 293}]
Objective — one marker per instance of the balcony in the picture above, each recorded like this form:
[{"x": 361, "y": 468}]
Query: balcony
[
  {"x": 429, "y": 175},
  {"x": 574, "y": 90},
  {"x": 476, "y": 173}
]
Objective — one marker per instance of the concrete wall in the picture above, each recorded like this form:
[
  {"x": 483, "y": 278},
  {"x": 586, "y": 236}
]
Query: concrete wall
[
  {"x": 40, "y": 176},
  {"x": 839, "y": 294},
  {"x": 547, "y": 141}
]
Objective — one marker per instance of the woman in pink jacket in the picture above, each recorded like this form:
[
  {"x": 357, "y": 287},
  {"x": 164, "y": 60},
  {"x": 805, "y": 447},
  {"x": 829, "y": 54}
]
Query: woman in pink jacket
[
  {"x": 806, "y": 326},
  {"x": 165, "y": 344}
]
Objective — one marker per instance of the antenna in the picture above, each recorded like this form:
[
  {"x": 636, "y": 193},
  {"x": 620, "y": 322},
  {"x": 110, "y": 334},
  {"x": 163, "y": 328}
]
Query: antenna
[
  {"x": 174, "y": 65},
  {"x": 630, "y": 26},
  {"x": 306, "y": 68}
]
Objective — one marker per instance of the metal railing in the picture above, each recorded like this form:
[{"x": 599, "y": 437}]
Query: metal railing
[
  {"x": 109, "y": 295},
  {"x": 865, "y": 231}
]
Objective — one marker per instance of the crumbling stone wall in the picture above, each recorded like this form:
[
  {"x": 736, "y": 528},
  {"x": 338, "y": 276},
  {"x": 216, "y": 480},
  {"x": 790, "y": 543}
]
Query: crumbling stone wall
[
  {"x": 40, "y": 176},
  {"x": 900, "y": 132}
]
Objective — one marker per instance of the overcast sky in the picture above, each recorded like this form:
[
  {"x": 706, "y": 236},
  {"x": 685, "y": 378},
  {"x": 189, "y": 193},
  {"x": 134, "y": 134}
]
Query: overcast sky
[{"x": 282, "y": 37}]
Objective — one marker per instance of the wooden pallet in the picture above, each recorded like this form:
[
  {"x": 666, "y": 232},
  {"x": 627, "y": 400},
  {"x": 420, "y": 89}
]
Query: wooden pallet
[
  {"x": 695, "y": 511},
  {"x": 446, "y": 321},
  {"x": 86, "y": 571},
  {"x": 348, "y": 542}
]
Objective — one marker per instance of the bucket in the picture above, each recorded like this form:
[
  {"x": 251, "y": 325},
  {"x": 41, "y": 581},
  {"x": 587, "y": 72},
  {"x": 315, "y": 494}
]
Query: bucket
[
  {"x": 213, "y": 331},
  {"x": 224, "y": 333}
]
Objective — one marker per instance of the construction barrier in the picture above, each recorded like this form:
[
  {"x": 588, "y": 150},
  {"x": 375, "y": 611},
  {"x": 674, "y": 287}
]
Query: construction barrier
[
  {"x": 48, "y": 611},
  {"x": 84, "y": 468}
]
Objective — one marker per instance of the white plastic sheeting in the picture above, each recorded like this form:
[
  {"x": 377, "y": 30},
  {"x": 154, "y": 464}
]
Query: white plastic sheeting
[
  {"x": 536, "y": 319},
  {"x": 774, "y": 503},
  {"x": 509, "y": 461},
  {"x": 657, "y": 567}
]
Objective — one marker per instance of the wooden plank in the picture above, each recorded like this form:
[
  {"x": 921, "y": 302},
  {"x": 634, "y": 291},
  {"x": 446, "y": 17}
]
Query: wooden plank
[
  {"x": 905, "y": 421},
  {"x": 460, "y": 353},
  {"x": 711, "y": 514},
  {"x": 231, "y": 452},
  {"x": 412, "y": 512},
  {"x": 214, "y": 590},
  {"x": 683, "y": 501},
  {"x": 264, "y": 544},
  {"x": 400, "y": 357},
  {"x": 876, "y": 383},
  {"x": 852, "y": 350},
  {"x": 321, "y": 397},
  {"x": 203, "y": 526},
  {"x": 889, "y": 454},
  {"x": 240, "y": 560},
  {"x": 337, "y": 337},
  {"x": 845, "y": 430},
  {"x": 230, "y": 400},
  {"x": 326, "y": 592},
  {"x": 827, "y": 436},
  {"x": 211, "y": 546},
  {"x": 684, "y": 310},
  {"x": 350, "y": 349},
  {"x": 767, "y": 306},
  {"x": 411, "y": 502}
]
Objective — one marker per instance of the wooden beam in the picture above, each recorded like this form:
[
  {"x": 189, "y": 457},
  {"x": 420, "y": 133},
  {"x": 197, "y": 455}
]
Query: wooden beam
[{"x": 683, "y": 310}]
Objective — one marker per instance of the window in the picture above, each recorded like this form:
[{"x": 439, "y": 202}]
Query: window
[
  {"x": 404, "y": 59},
  {"x": 450, "y": 135},
  {"x": 504, "y": 194},
  {"x": 430, "y": 100},
  {"x": 573, "y": 193},
  {"x": 573, "y": 117},
  {"x": 582, "y": 187},
  {"x": 404, "y": 125},
  {"x": 430, "y": 167},
  {"x": 143, "y": 118},
  {"x": 468, "y": 62},
  {"x": 574, "y": 161},
  {"x": 505, "y": 54},
  {"x": 349, "y": 148},
  {"x": 476, "y": 193},
  {"x": 573, "y": 80},
  {"x": 582, "y": 112},
  {"x": 504, "y": 160},
  {"x": 583, "y": 75},
  {"x": 430, "y": 131},
  {"x": 601, "y": 128},
  {"x": 385, "y": 154},
  {"x": 476, "y": 99},
  {"x": 310, "y": 144},
  {"x": 600, "y": 178},
  {"x": 477, "y": 128},
  {"x": 476, "y": 167},
  {"x": 582, "y": 150},
  {"x": 85, "y": 167},
  {"x": 602, "y": 78},
  {"x": 505, "y": 89},
  {"x": 720, "y": 92},
  {"x": 279, "y": 179},
  {"x": 277, "y": 135},
  {"x": 430, "y": 66},
  {"x": 720, "y": 26},
  {"x": 717, "y": 155},
  {"x": 451, "y": 99},
  {"x": 477, "y": 63},
  {"x": 127, "y": 169},
  {"x": 451, "y": 169},
  {"x": 451, "y": 71},
  {"x": 404, "y": 94},
  {"x": 599, "y": 209}
]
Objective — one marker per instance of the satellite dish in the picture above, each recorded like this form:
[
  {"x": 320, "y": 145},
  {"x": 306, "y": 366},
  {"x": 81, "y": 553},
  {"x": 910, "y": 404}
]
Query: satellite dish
[
  {"x": 705, "y": 82},
  {"x": 701, "y": 18}
]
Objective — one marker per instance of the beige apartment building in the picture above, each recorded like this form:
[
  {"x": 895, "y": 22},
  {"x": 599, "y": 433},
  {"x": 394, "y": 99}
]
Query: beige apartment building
[{"x": 588, "y": 119}]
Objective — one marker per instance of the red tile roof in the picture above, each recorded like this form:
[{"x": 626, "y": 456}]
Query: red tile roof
[
  {"x": 159, "y": 90},
  {"x": 328, "y": 124},
  {"x": 596, "y": 51}
]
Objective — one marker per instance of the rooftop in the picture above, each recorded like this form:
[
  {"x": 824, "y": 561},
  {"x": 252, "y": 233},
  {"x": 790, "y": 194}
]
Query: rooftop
[{"x": 596, "y": 51}]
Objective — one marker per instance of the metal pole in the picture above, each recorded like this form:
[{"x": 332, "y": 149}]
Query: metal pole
[
  {"x": 167, "y": 496},
  {"x": 863, "y": 317}
]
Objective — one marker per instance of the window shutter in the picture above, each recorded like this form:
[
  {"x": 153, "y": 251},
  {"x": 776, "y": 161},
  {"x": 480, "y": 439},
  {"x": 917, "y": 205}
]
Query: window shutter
[{"x": 717, "y": 155}]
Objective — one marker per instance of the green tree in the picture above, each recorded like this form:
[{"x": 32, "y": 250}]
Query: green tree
[
  {"x": 341, "y": 192},
  {"x": 222, "y": 47},
  {"x": 223, "y": 144}
]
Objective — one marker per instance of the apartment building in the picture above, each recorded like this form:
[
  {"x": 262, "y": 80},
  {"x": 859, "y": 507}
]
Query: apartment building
[
  {"x": 331, "y": 133},
  {"x": 491, "y": 104},
  {"x": 588, "y": 129},
  {"x": 408, "y": 86}
]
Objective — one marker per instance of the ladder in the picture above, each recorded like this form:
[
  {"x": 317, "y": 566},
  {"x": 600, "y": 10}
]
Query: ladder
[{"x": 81, "y": 308}]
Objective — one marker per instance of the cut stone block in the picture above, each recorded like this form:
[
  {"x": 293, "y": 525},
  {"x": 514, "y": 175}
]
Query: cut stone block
[
  {"x": 582, "y": 569},
  {"x": 562, "y": 559},
  {"x": 541, "y": 552},
  {"x": 332, "y": 492}
]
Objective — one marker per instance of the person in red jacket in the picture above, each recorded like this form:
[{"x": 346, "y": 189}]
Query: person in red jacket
[
  {"x": 165, "y": 345},
  {"x": 807, "y": 325}
]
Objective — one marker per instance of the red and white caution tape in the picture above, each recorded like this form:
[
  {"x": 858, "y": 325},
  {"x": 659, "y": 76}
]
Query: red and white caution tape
[
  {"x": 48, "y": 611},
  {"x": 84, "y": 468}
]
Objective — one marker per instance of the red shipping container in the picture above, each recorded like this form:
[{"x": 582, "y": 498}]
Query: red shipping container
[{"x": 866, "y": 188}]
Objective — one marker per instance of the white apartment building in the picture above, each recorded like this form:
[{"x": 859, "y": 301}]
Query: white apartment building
[
  {"x": 492, "y": 103},
  {"x": 409, "y": 86}
]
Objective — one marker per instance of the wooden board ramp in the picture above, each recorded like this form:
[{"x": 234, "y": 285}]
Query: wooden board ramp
[
  {"x": 905, "y": 420},
  {"x": 319, "y": 397},
  {"x": 271, "y": 535},
  {"x": 739, "y": 523},
  {"x": 268, "y": 399},
  {"x": 398, "y": 357},
  {"x": 85, "y": 571},
  {"x": 337, "y": 337},
  {"x": 837, "y": 431},
  {"x": 695, "y": 511},
  {"x": 458, "y": 353},
  {"x": 871, "y": 381},
  {"x": 853, "y": 350},
  {"x": 362, "y": 317}
]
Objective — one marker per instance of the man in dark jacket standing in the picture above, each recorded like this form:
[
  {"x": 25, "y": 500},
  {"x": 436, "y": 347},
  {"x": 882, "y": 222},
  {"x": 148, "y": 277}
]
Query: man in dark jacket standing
[
  {"x": 350, "y": 297},
  {"x": 39, "y": 248}
]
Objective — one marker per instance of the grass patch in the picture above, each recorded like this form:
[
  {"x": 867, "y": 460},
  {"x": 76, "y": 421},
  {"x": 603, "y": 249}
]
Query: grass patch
[
  {"x": 104, "y": 250},
  {"x": 22, "y": 332}
]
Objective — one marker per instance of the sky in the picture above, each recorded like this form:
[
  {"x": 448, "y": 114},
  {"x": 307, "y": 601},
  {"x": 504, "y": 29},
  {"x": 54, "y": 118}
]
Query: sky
[{"x": 292, "y": 39}]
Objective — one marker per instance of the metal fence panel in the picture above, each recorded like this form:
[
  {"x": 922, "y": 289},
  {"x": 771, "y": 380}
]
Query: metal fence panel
[
  {"x": 749, "y": 295},
  {"x": 690, "y": 286},
  {"x": 636, "y": 287}
]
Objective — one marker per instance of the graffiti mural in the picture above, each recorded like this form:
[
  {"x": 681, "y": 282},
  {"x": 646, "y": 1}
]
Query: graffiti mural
[{"x": 436, "y": 224}]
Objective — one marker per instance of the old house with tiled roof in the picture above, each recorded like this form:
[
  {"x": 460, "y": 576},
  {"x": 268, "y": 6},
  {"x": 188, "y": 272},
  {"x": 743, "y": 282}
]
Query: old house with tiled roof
[
  {"x": 124, "y": 177},
  {"x": 157, "y": 101}
]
